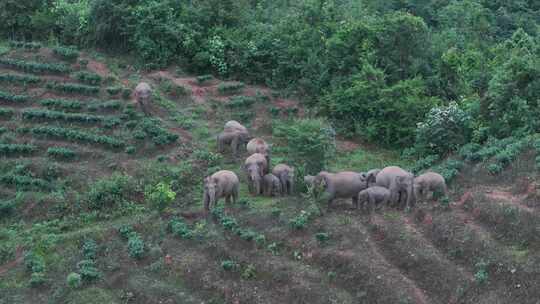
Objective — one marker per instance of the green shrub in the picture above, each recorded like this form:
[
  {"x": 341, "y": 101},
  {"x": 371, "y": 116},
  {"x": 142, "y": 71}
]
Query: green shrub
[
  {"x": 34, "y": 262},
  {"x": 83, "y": 63},
  {"x": 276, "y": 212},
  {"x": 300, "y": 222},
  {"x": 130, "y": 150},
  {"x": 6, "y": 112},
  {"x": 241, "y": 102},
  {"x": 73, "y": 88},
  {"x": 160, "y": 195},
  {"x": 443, "y": 130},
  {"x": 249, "y": 272},
  {"x": 31, "y": 46},
  {"x": 77, "y": 136},
  {"x": 35, "y": 67},
  {"x": 309, "y": 143},
  {"x": 204, "y": 78},
  {"x": 19, "y": 79},
  {"x": 230, "y": 88},
  {"x": 322, "y": 237},
  {"x": 88, "y": 78},
  {"x": 135, "y": 246},
  {"x": 113, "y": 90},
  {"x": 260, "y": 240},
  {"x": 5, "y": 96},
  {"x": 481, "y": 275},
  {"x": 17, "y": 149},
  {"x": 37, "y": 279},
  {"x": 107, "y": 105},
  {"x": 66, "y": 53},
  {"x": 171, "y": 88},
  {"x": 74, "y": 280},
  {"x": 494, "y": 168},
  {"x": 61, "y": 104},
  {"x": 126, "y": 93},
  {"x": 109, "y": 191},
  {"x": 7, "y": 208},
  {"x": 89, "y": 249},
  {"x": 274, "y": 111},
  {"x": 88, "y": 270},
  {"x": 229, "y": 265},
  {"x": 125, "y": 231},
  {"x": 38, "y": 114},
  {"x": 160, "y": 136},
  {"x": 178, "y": 227}
]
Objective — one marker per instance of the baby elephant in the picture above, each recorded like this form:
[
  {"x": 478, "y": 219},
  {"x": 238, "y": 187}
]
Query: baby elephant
[
  {"x": 235, "y": 135},
  {"x": 223, "y": 183},
  {"x": 286, "y": 177},
  {"x": 143, "y": 95},
  {"x": 427, "y": 184},
  {"x": 375, "y": 196},
  {"x": 271, "y": 185}
]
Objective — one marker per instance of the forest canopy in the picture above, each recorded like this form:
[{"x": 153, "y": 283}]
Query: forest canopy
[{"x": 428, "y": 74}]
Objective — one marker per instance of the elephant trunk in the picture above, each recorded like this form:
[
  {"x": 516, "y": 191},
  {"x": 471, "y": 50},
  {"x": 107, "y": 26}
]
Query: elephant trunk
[
  {"x": 410, "y": 196},
  {"x": 209, "y": 199}
]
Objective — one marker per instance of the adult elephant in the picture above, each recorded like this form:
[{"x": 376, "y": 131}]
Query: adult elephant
[
  {"x": 400, "y": 183},
  {"x": 223, "y": 183},
  {"x": 428, "y": 184},
  {"x": 143, "y": 96},
  {"x": 344, "y": 184},
  {"x": 258, "y": 145},
  {"x": 235, "y": 135},
  {"x": 255, "y": 166}
]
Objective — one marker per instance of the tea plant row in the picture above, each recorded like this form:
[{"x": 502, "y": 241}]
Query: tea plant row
[
  {"x": 35, "y": 67},
  {"x": 38, "y": 114},
  {"x": 76, "y": 136}
]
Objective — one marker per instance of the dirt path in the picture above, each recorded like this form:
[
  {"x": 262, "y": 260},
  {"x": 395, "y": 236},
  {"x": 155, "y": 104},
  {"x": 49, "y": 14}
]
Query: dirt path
[
  {"x": 506, "y": 197},
  {"x": 10, "y": 265}
]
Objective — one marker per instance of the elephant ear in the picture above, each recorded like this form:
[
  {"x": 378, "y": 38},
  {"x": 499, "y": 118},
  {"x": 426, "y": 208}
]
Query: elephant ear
[{"x": 400, "y": 180}]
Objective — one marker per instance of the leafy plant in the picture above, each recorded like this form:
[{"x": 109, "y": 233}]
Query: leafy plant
[
  {"x": 204, "y": 78},
  {"x": 89, "y": 249},
  {"x": 160, "y": 195},
  {"x": 61, "y": 104},
  {"x": 73, "y": 88},
  {"x": 113, "y": 90},
  {"x": 88, "y": 270},
  {"x": 66, "y": 53},
  {"x": 229, "y": 265},
  {"x": 74, "y": 280},
  {"x": 135, "y": 246},
  {"x": 178, "y": 227},
  {"x": 249, "y": 272},
  {"x": 27, "y": 45},
  {"x": 35, "y": 67},
  {"x": 230, "y": 88},
  {"x": 109, "y": 191},
  {"x": 322, "y": 237},
  {"x": 4, "y": 96},
  {"x": 77, "y": 136},
  {"x": 88, "y": 78},
  {"x": 17, "y": 149},
  {"x": 20, "y": 79}
]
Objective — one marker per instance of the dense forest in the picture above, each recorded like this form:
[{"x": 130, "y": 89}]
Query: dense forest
[{"x": 374, "y": 68}]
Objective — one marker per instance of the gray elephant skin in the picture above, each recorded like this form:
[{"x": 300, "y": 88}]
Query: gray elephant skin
[
  {"x": 233, "y": 134},
  {"x": 400, "y": 183},
  {"x": 427, "y": 184},
  {"x": 271, "y": 185},
  {"x": 286, "y": 177},
  {"x": 255, "y": 166},
  {"x": 143, "y": 96},
  {"x": 375, "y": 197},
  {"x": 258, "y": 145},
  {"x": 371, "y": 176},
  {"x": 344, "y": 184},
  {"x": 223, "y": 183}
]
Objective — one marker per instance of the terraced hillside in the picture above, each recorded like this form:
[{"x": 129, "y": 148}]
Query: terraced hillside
[{"x": 81, "y": 164}]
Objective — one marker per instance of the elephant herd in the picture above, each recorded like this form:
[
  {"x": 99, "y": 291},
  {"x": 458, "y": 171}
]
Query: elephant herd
[{"x": 389, "y": 186}]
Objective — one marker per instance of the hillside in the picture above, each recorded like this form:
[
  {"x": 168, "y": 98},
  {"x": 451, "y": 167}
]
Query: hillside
[{"x": 79, "y": 162}]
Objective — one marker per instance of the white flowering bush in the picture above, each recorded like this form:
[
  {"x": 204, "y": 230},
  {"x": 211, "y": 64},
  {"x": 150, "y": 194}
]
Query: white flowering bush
[
  {"x": 217, "y": 54},
  {"x": 444, "y": 130}
]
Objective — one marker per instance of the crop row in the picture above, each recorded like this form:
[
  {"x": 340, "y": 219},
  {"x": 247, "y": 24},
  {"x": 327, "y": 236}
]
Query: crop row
[
  {"x": 106, "y": 105},
  {"x": 35, "y": 67},
  {"x": 24, "y": 79},
  {"x": 152, "y": 127},
  {"x": 5, "y": 96},
  {"x": 14, "y": 149},
  {"x": 67, "y": 104},
  {"x": 73, "y": 88},
  {"x": 6, "y": 112},
  {"x": 25, "y": 45},
  {"x": 37, "y": 114},
  {"x": 61, "y": 153},
  {"x": 24, "y": 182},
  {"x": 88, "y": 77},
  {"x": 77, "y": 136},
  {"x": 66, "y": 53}
]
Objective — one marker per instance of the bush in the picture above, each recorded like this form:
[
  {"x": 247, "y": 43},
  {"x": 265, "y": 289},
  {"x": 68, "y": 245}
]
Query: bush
[
  {"x": 77, "y": 136},
  {"x": 22, "y": 79},
  {"x": 135, "y": 246},
  {"x": 4, "y": 96},
  {"x": 73, "y": 88},
  {"x": 109, "y": 191},
  {"x": 160, "y": 195},
  {"x": 229, "y": 265},
  {"x": 74, "y": 280},
  {"x": 125, "y": 231},
  {"x": 35, "y": 67},
  {"x": 230, "y": 88},
  {"x": 66, "y": 53},
  {"x": 249, "y": 272},
  {"x": 113, "y": 90},
  {"x": 89, "y": 249},
  {"x": 17, "y": 149},
  {"x": 204, "y": 78},
  {"x": 299, "y": 222},
  {"x": 241, "y": 102},
  {"x": 7, "y": 208},
  {"x": 309, "y": 143},
  {"x": 37, "y": 279},
  {"x": 37, "y": 114},
  {"x": 88, "y": 78},
  {"x": 126, "y": 93},
  {"x": 160, "y": 136},
  {"x": 88, "y": 270},
  {"x": 32, "y": 46},
  {"x": 322, "y": 237},
  {"x": 6, "y": 112},
  {"x": 444, "y": 130},
  {"x": 178, "y": 227},
  {"x": 61, "y": 104},
  {"x": 107, "y": 105},
  {"x": 169, "y": 87}
]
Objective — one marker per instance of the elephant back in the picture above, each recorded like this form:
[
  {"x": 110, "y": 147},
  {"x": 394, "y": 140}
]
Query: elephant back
[
  {"x": 387, "y": 175},
  {"x": 257, "y": 145}
]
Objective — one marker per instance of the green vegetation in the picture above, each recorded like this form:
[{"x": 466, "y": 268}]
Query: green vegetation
[
  {"x": 32, "y": 46},
  {"x": 65, "y": 104},
  {"x": 35, "y": 67},
  {"x": 20, "y": 79},
  {"x": 230, "y": 88},
  {"x": 61, "y": 153},
  {"x": 6, "y": 112},
  {"x": 5, "y": 96},
  {"x": 16, "y": 149},
  {"x": 73, "y": 88},
  {"x": 77, "y": 136},
  {"x": 88, "y": 78},
  {"x": 66, "y": 53},
  {"x": 32, "y": 114}
]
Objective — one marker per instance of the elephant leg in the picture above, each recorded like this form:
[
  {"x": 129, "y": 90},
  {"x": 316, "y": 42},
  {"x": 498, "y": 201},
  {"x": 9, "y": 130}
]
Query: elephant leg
[
  {"x": 355, "y": 201},
  {"x": 234, "y": 147},
  {"x": 372, "y": 202},
  {"x": 235, "y": 194}
]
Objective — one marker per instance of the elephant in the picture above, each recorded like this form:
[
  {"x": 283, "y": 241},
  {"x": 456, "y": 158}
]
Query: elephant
[
  {"x": 234, "y": 135},
  {"x": 234, "y": 125},
  {"x": 309, "y": 180},
  {"x": 375, "y": 196},
  {"x": 143, "y": 95},
  {"x": 254, "y": 166},
  {"x": 371, "y": 176},
  {"x": 223, "y": 183},
  {"x": 286, "y": 177},
  {"x": 429, "y": 183},
  {"x": 258, "y": 145},
  {"x": 271, "y": 185},
  {"x": 400, "y": 183},
  {"x": 344, "y": 184}
]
